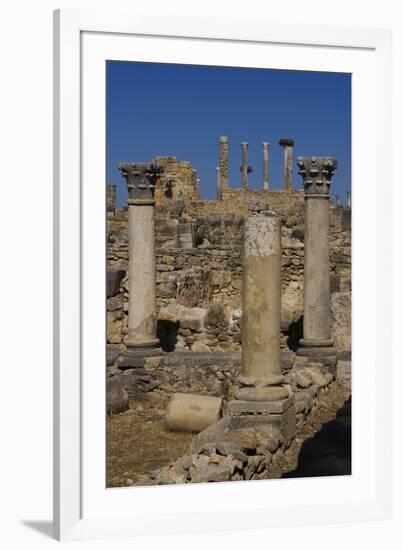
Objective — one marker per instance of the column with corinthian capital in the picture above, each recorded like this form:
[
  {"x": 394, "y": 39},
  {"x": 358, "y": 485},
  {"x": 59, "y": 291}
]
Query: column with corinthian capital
[
  {"x": 316, "y": 173},
  {"x": 141, "y": 339}
]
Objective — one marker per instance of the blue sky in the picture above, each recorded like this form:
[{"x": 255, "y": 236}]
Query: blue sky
[{"x": 181, "y": 110}]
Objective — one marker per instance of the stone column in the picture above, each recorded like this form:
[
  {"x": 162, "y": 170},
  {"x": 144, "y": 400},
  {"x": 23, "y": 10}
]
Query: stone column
[
  {"x": 244, "y": 165},
  {"x": 316, "y": 173},
  {"x": 197, "y": 186},
  {"x": 218, "y": 184},
  {"x": 348, "y": 197},
  {"x": 223, "y": 163},
  {"x": 262, "y": 393},
  {"x": 265, "y": 165},
  {"x": 338, "y": 200},
  {"x": 287, "y": 144},
  {"x": 141, "y": 340}
]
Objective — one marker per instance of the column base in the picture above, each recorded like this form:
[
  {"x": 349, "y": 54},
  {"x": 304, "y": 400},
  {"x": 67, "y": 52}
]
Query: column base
[
  {"x": 281, "y": 413},
  {"x": 321, "y": 351},
  {"x": 137, "y": 352}
]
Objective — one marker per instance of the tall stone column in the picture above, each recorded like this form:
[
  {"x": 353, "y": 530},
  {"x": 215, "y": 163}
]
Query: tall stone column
[
  {"x": 287, "y": 145},
  {"x": 245, "y": 169},
  {"x": 262, "y": 393},
  {"x": 338, "y": 200},
  {"x": 348, "y": 198},
  {"x": 265, "y": 165},
  {"x": 223, "y": 163},
  {"x": 141, "y": 339},
  {"x": 218, "y": 184},
  {"x": 316, "y": 173}
]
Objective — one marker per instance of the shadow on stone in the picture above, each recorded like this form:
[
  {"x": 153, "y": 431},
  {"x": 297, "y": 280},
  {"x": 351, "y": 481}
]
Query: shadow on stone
[
  {"x": 295, "y": 333},
  {"x": 166, "y": 331},
  {"x": 328, "y": 453}
]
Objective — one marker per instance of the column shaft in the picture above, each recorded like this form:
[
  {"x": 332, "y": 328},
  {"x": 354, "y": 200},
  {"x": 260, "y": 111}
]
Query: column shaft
[
  {"x": 261, "y": 297},
  {"x": 287, "y": 144},
  {"x": 317, "y": 173},
  {"x": 288, "y": 161},
  {"x": 223, "y": 163},
  {"x": 218, "y": 184},
  {"x": 142, "y": 296},
  {"x": 265, "y": 165},
  {"x": 316, "y": 320},
  {"x": 244, "y": 165}
]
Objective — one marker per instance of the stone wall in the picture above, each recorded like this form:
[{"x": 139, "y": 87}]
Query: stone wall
[
  {"x": 178, "y": 180},
  {"x": 191, "y": 282}
]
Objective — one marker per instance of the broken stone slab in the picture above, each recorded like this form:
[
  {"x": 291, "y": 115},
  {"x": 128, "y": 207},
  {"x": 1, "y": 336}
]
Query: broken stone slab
[
  {"x": 319, "y": 378},
  {"x": 192, "y": 412},
  {"x": 231, "y": 448},
  {"x": 192, "y": 318},
  {"x": 212, "y": 472},
  {"x": 245, "y": 439},
  {"x": 212, "y": 434}
]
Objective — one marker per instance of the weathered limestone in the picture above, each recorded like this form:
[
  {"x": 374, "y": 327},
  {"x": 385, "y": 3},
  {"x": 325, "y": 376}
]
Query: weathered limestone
[
  {"x": 245, "y": 169},
  {"x": 141, "y": 338},
  {"x": 223, "y": 164},
  {"x": 261, "y": 298},
  {"x": 287, "y": 144},
  {"x": 185, "y": 235},
  {"x": 261, "y": 378},
  {"x": 265, "y": 165},
  {"x": 189, "y": 412},
  {"x": 317, "y": 173}
]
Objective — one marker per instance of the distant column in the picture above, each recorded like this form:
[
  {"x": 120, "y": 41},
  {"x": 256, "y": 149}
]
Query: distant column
[
  {"x": 244, "y": 164},
  {"x": 218, "y": 184},
  {"x": 197, "y": 186},
  {"x": 349, "y": 201},
  {"x": 265, "y": 165},
  {"x": 223, "y": 163},
  {"x": 141, "y": 179},
  {"x": 338, "y": 200},
  {"x": 316, "y": 173},
  {"x": 287, "y": 144}
]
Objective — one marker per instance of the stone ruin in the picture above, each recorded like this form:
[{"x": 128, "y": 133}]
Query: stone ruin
[{"x": 239, "y": 308}]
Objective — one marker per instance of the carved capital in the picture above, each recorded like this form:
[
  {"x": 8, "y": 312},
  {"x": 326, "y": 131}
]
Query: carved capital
[
  {"x": 286, "y": 142},
  {"x": 141, "y": 179},
  {"x": 316, "y": 173}
]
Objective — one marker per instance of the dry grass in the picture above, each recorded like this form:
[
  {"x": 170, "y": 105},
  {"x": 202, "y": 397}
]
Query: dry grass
[{"x": 137, "y": 441}]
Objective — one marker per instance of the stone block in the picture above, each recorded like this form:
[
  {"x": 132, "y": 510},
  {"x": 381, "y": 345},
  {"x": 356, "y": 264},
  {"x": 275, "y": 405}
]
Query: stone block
[
  {"x": 113, "y": 279},
  {"x": 192, "y": 413}
]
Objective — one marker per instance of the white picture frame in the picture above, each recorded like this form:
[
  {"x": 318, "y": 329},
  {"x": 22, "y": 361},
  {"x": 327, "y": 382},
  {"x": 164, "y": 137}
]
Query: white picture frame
[{"x": 83, "y": 507}]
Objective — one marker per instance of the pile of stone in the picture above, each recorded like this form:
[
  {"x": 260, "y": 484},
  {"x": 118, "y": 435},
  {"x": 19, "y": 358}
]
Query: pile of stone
[{"x": 246, "y": 454}]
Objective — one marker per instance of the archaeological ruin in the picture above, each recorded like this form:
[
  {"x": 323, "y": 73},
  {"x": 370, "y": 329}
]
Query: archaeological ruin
[{"x": 228, "y": 320}]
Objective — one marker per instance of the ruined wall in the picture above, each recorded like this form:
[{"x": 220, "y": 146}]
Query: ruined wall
[
  {"x": 192, "y": 282},
  {"x": 178, "y": 180}
]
